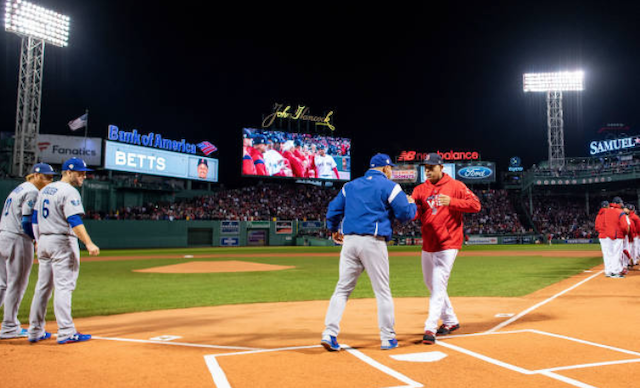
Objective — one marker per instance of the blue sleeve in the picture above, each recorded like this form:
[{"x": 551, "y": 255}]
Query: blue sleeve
[
  {"x": 34, "y": 217},
  {"x": 27, "y": 226},
  {"x": 74, "y": 220},
  {"x": 402, "y": 209},
  {"x": 336, "y": 211}
]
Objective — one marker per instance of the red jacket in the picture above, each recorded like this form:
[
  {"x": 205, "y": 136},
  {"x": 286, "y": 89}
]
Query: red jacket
[
  {"x": 600, "y": 223},
  {"x": 443, "y": 230},
  {"x": 616, "y": 223},
  {"x": 633, "y": 217}
]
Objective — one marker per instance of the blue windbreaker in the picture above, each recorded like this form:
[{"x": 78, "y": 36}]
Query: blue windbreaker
[{"x": 368, "y": 206}]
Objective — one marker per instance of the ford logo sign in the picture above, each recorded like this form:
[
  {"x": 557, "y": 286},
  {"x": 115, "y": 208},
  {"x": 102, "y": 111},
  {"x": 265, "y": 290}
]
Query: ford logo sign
[{"x": 475, "y": 172}]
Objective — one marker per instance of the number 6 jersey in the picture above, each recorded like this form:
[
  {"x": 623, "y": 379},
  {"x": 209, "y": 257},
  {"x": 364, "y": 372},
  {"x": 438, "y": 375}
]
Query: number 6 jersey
[{"x": 57, "y": 202}]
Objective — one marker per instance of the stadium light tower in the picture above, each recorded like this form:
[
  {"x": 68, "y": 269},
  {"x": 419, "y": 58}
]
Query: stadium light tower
[
  {"x": 554, "y": 84},
  {"x": 36, "y": 26}
]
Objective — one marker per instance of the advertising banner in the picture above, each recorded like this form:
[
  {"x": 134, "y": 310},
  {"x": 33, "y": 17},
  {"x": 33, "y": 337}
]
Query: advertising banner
[
  {"x": 229, "y": 227},
  {"x": 56, "y": 149},
  {"x": 480, "y": 172},
  {"x": 259, "y": 224},
  {"x": 404, "y": 174},
  {"x": 311, "y": 225},
  {"x": 284, "y": 227},
  {"x": 144, "y": 160},
  {"x": 229, "y": 241},
  {"x": 475, "y": 240}
]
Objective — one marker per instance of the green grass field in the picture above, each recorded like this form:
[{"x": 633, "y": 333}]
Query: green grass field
[{"x": 110, "y": 287}]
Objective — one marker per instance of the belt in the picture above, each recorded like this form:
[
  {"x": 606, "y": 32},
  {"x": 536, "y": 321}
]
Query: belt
[{"x": 379, "y": 238}]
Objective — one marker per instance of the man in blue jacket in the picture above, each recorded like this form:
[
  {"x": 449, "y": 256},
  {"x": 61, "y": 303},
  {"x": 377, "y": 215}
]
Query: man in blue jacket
[{"x": 360, "y": 217}]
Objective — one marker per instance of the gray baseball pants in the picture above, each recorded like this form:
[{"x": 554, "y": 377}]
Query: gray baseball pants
[
  {"x": 362, "y": 253},
  {"x": 16, "y": 259},
  {"x": 59, "y": 266}
]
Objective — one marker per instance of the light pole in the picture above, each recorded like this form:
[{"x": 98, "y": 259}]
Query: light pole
[
  {"x": 553, "y": 84},
  {"x": 36, "y": 26}
]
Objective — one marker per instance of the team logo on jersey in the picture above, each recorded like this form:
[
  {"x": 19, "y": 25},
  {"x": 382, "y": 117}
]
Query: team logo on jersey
[{"x": 75, "y": 202}]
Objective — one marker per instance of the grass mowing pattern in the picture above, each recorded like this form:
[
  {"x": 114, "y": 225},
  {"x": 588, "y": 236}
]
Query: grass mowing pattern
[{"x": 110, "y": 287}]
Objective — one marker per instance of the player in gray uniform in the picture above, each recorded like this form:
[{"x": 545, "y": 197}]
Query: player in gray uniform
[
  {"x": 360, "y": 218},
  {"x": 57, "y": 227},
  {"x": 16, "y": 246}
]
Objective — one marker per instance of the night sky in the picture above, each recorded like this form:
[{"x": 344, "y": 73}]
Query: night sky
[{"x": 403, "y": 78}]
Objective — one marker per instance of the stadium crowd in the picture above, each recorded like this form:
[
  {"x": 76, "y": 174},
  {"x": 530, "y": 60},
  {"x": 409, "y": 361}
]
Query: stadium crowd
[
  {"x": 254, "y": 203},
  {"x": 563, "y": 218},
  {"x": 304, "y": 202}
]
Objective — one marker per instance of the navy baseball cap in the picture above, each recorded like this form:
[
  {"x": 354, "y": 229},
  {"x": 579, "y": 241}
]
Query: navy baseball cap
[
  {"x": 433, "y": 159},
  {"x": 246, "y": 133},
  {"x": 43, "y": 168},
  {"x": 380, "y": 160},
  {"x": 297, "y": 142},
  {"x": 203, "y": 161},
  {"x": 75, "y": 164},
  {"x": 604, "y": 204},
  {"x": 617, "y": 200},
  {"x": 259, "y": 139}
]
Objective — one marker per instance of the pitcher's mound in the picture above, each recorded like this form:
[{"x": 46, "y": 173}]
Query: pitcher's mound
[{"x": 214, "y": 266}]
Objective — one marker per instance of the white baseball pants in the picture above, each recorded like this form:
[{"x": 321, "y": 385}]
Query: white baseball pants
[
  {"x": 16, "y": 259},
  {"x": 636, "y": 244},
  {"x": 436, "y": 269},
  {"x": 612, "y": 252},
  {"x": 362, "y": 253},
  {"x": 59, "y": 266}
]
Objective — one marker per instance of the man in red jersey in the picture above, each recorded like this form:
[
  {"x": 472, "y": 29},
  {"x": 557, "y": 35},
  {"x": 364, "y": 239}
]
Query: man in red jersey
[
  {"x": 616, "y": 227},
  {"x": 257, "y": 151},
  {"x": 605, "y": 243},
  {"x": 248, "y": 168},
  {"x": 441, "y": 203},
  {"x": 635, "y": 220}
]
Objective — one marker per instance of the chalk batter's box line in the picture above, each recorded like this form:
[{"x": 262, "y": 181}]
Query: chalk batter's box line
[
  {"x": 220, "y": 378},
  {"x": 549, "y": 372}
]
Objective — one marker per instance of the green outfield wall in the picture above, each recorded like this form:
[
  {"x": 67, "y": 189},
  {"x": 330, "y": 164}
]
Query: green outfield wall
[{"x": 119, "y": 234}]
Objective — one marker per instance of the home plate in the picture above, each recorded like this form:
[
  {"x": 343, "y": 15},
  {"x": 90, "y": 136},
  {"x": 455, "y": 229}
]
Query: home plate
[
  {"x": 165, "y": 338},
  {"x": 188, "y": 256},
  {"x": 504, "y": 315},
  {"x": 420, "y": 357}
]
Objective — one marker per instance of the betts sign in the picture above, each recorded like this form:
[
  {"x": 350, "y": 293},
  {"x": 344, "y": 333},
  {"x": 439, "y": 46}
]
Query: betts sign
[{"x": 413, "y": 156}]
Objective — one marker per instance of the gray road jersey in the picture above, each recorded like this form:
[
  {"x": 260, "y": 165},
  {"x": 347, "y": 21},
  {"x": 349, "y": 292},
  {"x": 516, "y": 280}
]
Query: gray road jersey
[
  {"x": 19, "y": 203},
  {"x": 57, "y": 201}
]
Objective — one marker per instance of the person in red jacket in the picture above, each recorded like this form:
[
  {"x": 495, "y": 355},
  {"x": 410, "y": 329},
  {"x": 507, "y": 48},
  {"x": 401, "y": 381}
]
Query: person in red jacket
[
  {"x": 635, "y": 220},
  {"x": 616, "y": 227},
  {"x": 441, "y": 202},
  {"x": 627, "y": 245},
  {"x": 605, "y": 244}
]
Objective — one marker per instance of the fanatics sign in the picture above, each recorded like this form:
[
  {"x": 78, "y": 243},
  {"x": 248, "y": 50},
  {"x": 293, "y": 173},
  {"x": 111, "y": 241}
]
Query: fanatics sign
[{"x": 55, "y": 149}]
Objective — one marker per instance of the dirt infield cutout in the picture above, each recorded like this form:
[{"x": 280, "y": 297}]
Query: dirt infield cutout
[{"x": 214, "y": 266}]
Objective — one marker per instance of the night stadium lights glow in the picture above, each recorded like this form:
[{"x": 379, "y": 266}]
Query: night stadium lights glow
[
  {"x": 545, "y": 82},
  {"x": 27, "y": 19}
]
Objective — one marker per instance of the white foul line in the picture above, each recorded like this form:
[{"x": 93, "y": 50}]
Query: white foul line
[
  {"x": 530, "y": 309},
  {"x": 174, "y": 343}
]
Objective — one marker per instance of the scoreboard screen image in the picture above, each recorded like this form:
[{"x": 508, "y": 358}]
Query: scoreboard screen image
[{"x": 295, "y": 155}]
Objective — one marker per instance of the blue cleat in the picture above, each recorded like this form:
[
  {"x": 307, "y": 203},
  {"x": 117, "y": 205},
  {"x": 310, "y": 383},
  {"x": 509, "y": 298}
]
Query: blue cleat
[
  {"x": 23, "y": 333},
  {"x": 330, "y": 343},
  {"x": 45, "y": 336},
  {"x": 389, "y": 344},
  {"x": 75, "y": 338}
]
